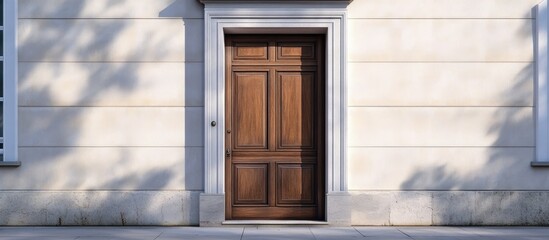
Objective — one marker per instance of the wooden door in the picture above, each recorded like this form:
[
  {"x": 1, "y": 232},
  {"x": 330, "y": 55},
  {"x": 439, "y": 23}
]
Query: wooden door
[{"x": 274, "y": 127}]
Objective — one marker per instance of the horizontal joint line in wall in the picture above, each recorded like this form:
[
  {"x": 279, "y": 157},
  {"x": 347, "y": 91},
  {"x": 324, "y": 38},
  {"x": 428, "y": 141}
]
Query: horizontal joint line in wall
[
  {"x": 438, "y": 18},
  {"x": 444, "y": 190},
  {"x": 412, "y": 61},
  {"x": 83, "y": 146},
  {"x": 115, "y": 18},
  {"x": 441, "y": 147},
  {"x": 148, "y": 61},
  {"x": 101, "y": 190},
  {"x": 89, "y": 106},
  {"x": 449, "y": 106}
]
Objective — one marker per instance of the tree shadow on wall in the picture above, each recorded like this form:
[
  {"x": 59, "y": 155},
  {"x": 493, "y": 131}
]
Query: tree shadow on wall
[
  {"x": 492, "y": 185},
  {"x": 110, "y": 115}
]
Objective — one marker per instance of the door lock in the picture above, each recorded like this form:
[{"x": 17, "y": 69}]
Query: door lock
[{"x": 227, "y": 153}]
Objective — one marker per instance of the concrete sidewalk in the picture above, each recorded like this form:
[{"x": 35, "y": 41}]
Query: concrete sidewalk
[{"x": 275, "y": 232}]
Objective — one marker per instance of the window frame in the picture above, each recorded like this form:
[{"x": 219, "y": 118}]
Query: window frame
[{"x": 9, "y": 114}]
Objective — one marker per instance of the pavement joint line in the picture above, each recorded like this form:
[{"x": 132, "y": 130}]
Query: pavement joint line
[
  {"x": 312, "y": 233},
  {"x": 410, "y": 237},
  {"x": 162, "y": 232},
  {"x": 242, "y": 234},
  {"x": 359, "y": 232}
]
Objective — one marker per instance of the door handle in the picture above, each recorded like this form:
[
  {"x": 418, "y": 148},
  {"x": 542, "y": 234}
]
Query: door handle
[{"x": 227, "y": 153}]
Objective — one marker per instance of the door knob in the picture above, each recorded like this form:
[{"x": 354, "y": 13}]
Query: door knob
[{"x": 227, "y": 153}]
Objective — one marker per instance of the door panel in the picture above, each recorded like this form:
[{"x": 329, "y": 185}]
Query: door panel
[
  {"x": 296, "y": 184},
  {"x": 250, "y": 184},
  {"x": 296, "y": 109},
  {"x": 274, "y": 127},
  {"x": 251, "y": 51},
  {"x": 295, "y": 51},
  {"x": 250, "y": 109}
]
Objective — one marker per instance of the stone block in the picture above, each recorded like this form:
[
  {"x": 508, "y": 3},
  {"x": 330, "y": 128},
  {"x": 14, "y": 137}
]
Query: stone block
[
  {"x": 111, "y": 126},
  {"x": 479, "y": 208},
  {"x": 212, "y": 210},
  {"x": 411, "y": 208},
  {"x": 499, "y": 208},
  {"x": 338, "y": 209},
  {"x": 440, "y": 84},
  {"x": 441, "y": 126},
  {"x": 111, "y": 40},
  {"x": 442, "y": 9},
  {"x": 371, "y": 208},
  {"x": 111, "y": 84},
  {"x": 440, "y": 40},
  {"x": 453, "y": 207},
  {"x": 110, "y": 9},
  {"x": 444, "y": 168},
  {"x": 119, "y": 208},
  {"x": 97, "y": 168}
]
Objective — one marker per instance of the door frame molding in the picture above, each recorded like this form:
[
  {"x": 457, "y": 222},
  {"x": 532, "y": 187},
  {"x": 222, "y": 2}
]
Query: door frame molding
[{"x": 284, "y": 17}]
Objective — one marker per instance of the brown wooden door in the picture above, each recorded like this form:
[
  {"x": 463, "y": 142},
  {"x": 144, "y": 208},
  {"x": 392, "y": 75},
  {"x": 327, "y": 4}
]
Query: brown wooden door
[{"x": 275, "y": 127}]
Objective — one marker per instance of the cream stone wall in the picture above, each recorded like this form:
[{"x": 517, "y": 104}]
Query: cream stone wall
[
  {"x": 441, "y": 121},
  {"x": 441, "y": 96},
  {"x": 111, "y": 97}
]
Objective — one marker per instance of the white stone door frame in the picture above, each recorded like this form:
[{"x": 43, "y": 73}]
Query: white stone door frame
[{"x": 284, "y": 17}]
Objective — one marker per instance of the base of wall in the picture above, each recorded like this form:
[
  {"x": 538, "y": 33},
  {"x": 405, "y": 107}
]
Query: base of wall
[
  {"x": 338, "y": 209},
  {"x": 99, "y": 208},
  {"x": 450, "y": 208},
  {"x": 358, "y": 208},
  {"x": 212, "y": 210}
]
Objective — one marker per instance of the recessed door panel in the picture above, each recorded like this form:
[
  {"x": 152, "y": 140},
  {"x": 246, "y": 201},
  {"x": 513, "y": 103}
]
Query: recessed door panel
[
  {"x": 296, "y": 184},
  {"x": 296, "y": 110},
  {"x": 250, "y": 110},
  {"x": 251, "y": 51},
  {"x": 250, "y": 184},
  {"x": 294, "y": 51}
]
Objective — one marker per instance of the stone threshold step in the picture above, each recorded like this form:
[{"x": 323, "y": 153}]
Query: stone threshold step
[{"x": 274, "y": 222}]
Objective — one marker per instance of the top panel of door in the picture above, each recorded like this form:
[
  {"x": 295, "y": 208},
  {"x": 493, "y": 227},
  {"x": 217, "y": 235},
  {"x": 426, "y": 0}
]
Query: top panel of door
[{"x": 278, "y": 50}]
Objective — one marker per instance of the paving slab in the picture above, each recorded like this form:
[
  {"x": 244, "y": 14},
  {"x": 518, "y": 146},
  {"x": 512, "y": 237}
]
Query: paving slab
[
  {"x": 436, "y": 232},
  {"x": 81, "y": 231},
  {"x": 232, "y": 233},
  {"x": 509, "y": 231},
  {"x": 336, "y": 233},
  {"x": 267, "y": 233},
  {"x": 380, "y": 232},
  {"x": 35, "y": 238}
]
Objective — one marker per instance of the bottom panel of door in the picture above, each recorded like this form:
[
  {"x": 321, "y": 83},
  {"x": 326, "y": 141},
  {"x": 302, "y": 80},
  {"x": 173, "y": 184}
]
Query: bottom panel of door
[
  {"x": 274, "y": 189},
  {"x": 275, "y": 213}
]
